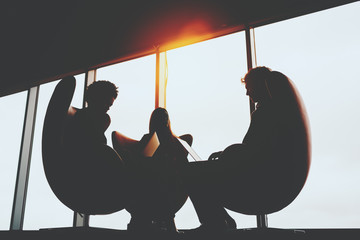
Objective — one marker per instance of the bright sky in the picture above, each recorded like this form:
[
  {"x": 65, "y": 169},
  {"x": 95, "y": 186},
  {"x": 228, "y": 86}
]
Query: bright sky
[{"x": 319, "y": 52}]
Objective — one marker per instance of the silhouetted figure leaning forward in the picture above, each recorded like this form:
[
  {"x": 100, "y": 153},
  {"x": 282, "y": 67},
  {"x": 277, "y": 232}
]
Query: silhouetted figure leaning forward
[{"x": 272, "y": 160}]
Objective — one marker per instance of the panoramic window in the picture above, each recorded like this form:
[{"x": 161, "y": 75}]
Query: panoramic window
[
  {"x": 320, "y": 53},
  {"x": 206, "y": 99},
  {"x": 130, "y": 113},
  {"x": 11, "y": 127},
  {"x": 43, "y": 208}
]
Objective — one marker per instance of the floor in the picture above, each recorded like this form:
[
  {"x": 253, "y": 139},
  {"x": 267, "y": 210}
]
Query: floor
[{"x": 239, "y": 234}]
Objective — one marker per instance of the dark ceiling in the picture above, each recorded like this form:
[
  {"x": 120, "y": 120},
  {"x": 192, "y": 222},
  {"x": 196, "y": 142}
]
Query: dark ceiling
[{"x": 46, "y": 40}]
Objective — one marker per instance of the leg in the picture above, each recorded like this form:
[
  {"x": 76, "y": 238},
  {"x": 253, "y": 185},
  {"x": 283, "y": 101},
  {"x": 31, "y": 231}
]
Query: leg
[{"x": 204, "y": 181}]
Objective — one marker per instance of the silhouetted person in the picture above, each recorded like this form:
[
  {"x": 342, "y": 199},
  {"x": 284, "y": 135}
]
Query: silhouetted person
[
  {"x": 243, "y": 175},
  {"x": 89, "y": 124},
  {"x": 158, "y": 191},
  {"x": 84, "y": 138},
  {"x": 96, "y": 170}
]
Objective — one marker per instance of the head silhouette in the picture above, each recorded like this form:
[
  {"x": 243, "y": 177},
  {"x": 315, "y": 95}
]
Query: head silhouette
[
  {"x": 256, "y": 84},
  {"x": 100, "y": 95},
  {"x": 160, "y": 122}
]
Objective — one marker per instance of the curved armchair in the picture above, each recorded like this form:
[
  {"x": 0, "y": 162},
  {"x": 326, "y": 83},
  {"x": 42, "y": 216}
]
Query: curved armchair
[
  {"x": 147, "y": 198},
  {"x": 85, "y": 179}
]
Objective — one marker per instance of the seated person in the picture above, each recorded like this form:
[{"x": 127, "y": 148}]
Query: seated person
[
  {"x": 243, "y": 175},
  {"x": 90, "y": 123},
  {"x": 157, "y": 191},
  {"x": 86, "y": 151}
]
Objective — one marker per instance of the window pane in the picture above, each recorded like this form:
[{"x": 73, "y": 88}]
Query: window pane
[
  {"x": 12, "y": 112},
  {"x": 320, "y": 53},
  {"x": 130, "y": 113},
  {"x": 206, "y": 99},
  {"x": 43, "y": 209}
]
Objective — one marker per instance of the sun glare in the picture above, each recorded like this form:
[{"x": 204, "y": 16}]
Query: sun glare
[{"x": 196, "y": 31}]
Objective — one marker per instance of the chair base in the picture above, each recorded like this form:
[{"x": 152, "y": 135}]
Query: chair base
[
  {"x": 78, "y": 229},
  {"x": 271, "y": 233}
]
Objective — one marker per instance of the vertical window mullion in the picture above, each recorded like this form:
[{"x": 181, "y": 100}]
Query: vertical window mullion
[
  {"x": 251, "y": 55},
  {"x": 17, "y": 215},
  {"x": 157, "y": 78},
  {"x": 90, "y": 77},
  {"x": 81, "y": 220},
  {"x": 161, "y": 79},
  {"x": 261, "y": 220}
]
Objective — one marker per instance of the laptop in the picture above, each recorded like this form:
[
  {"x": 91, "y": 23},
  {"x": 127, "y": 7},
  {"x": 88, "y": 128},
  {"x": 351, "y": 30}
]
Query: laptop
[{"x": 190, "y": 150}]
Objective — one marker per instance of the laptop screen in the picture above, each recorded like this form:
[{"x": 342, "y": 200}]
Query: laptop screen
[{"x": 191, "y": 151}]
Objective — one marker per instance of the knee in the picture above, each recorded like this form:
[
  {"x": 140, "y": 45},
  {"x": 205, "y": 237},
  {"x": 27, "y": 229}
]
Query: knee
[{"x": 235, "y": 151}]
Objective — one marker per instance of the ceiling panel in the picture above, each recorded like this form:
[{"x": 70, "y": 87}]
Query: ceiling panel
[{"x": 45, "y": 40}]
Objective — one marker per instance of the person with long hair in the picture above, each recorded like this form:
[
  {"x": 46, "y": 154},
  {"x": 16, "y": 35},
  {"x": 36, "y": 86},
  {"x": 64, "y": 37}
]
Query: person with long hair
[{"x": 158, "y": 192}]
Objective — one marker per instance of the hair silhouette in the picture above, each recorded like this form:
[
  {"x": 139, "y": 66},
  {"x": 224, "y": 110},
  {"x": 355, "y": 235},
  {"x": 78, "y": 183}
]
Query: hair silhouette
[
  {"x": 160, "y": 123},
  {"x": 99, "y": 90}
]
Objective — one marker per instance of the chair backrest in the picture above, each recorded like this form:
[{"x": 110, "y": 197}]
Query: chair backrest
[
  {"x": 277, "y": 184},
  {"x": 87, "y": 180},
  {"x": 52, "y": 136},
  {"x": 294, "y": 145}
]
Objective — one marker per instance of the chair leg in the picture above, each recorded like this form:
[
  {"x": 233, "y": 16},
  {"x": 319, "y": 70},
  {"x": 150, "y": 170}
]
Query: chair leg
[
  {"x": 262, "y": 221},
  {"x": 86, "y": 220},
  {"x": 80, "y": 220}
]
